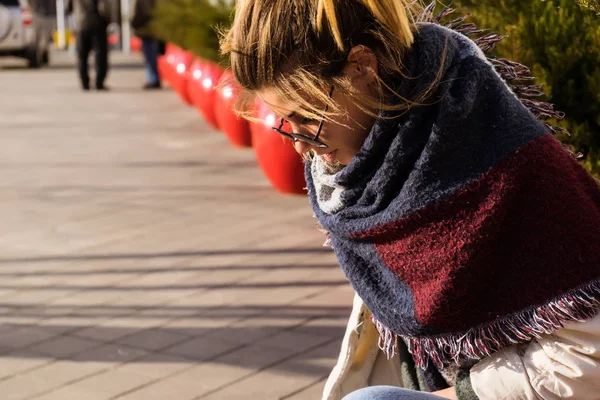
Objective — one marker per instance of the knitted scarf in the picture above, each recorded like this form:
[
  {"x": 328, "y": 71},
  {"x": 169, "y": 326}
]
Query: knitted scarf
[{"x": 464, "y": 225}]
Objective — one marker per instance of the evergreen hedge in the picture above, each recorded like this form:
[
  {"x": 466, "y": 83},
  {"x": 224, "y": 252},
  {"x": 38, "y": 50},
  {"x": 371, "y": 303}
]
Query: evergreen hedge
[
  {"x": 192, "y": 24},
  {"x": 560, "y": 41}
]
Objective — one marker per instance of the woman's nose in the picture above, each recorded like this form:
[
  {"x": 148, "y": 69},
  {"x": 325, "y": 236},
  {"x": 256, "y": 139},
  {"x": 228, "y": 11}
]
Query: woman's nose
[{"x": 302, "y": 147}]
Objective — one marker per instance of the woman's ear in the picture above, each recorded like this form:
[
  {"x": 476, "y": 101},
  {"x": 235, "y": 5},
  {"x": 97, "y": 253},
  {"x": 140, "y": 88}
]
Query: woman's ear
[{"x": 362, "y": 64}]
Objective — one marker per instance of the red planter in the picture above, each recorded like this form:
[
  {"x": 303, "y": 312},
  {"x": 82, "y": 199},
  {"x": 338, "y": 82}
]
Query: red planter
[
  {"x": 164, "y": 68},
  {"x": 181, "y": 76},
  {"x": 135, "y": 44},
  {"x": 275, "y": 155},
  {"x": 113, "y": 39},
  {"x": 173, "y": 67},
  {"x": 235, "y": 128},
  {"x": 204, "y": 77}
]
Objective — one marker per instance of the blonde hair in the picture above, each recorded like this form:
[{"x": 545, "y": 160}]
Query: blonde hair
[{"x": 299, "y": 49}]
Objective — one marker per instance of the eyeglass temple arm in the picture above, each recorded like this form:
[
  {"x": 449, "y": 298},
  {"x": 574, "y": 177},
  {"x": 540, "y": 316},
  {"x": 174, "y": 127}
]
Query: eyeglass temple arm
[{"x": 323, "y": 118}]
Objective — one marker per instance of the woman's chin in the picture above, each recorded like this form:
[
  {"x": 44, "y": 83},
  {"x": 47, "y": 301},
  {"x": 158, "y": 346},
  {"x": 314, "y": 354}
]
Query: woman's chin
[
  {"x": 331, "y": 166},
  {"x": 344, "y": 158},
  {"x": 330, "y": 157}
]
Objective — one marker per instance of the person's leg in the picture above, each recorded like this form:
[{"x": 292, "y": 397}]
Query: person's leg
[
  {"x": 101, "y": 49},
  {"x": 161, "y": 47},
  {"x": 84, "y": 45},
  {"x": 149, "y": 49},
  {"x": 389, "y": 393}
]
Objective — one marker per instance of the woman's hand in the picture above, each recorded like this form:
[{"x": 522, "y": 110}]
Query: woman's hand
[{"x": 449, "y": 393}]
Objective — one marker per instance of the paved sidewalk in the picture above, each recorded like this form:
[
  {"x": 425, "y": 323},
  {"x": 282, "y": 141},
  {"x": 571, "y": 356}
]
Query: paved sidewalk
[{"x": 142, "y": 257}]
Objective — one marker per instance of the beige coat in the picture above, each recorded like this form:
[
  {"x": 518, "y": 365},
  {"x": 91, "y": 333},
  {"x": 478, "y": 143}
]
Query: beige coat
[{"x": 564, "y": 365}]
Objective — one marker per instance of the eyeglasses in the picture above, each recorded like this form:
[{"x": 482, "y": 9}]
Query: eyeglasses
[{"x": 295, "y": 137}]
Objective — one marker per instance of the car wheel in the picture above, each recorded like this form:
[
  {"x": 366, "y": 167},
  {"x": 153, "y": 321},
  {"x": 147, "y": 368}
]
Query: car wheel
[
  {"x": 46, "y": 57},
  {"x": 35, "y": 56}
]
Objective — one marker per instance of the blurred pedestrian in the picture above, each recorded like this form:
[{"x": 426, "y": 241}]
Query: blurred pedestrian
[
  {"x": 151, "y": 46},
  {"x": 91, "y": 19}
]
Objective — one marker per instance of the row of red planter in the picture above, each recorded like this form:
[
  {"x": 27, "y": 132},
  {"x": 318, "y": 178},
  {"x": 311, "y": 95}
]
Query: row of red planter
[
  {"x": 213, "y": 92},
  {"x": 135, "y": 43}
]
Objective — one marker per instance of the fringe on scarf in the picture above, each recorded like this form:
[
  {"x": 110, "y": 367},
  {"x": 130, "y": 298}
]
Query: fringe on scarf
[
  {"x": 579, "y": 305},
  {"x": 325, "y": 232},
  {"x": 511, "y": 72}
]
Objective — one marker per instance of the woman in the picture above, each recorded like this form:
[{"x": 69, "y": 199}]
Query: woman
[{"x": 470, "y": 235}]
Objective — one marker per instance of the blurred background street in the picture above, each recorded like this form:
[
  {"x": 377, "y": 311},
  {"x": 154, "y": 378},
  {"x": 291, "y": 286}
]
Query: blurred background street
[{"x": 144, "y": 257}]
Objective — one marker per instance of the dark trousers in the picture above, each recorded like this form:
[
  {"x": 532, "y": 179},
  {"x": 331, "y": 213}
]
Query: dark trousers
[
  {"x": 96, "y": 39},
  {"x": 150, "y": 51}
]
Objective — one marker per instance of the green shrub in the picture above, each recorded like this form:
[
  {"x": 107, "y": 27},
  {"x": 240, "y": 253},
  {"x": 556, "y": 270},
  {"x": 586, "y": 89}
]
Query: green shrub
[
  {"x": 560, "y": 41},
  {"x": 192, "y": 24}
]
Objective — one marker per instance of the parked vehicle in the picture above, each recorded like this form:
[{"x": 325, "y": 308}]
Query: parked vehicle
[{"x": 25, "y": 33}]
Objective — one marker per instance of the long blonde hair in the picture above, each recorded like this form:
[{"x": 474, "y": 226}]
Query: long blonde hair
[{"x": 300, "y": 47}]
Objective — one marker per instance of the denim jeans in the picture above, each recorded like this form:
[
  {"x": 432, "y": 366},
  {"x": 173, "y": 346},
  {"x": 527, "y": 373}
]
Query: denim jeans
[
  {"x": 389, "y": 393},
  {"x": 150, "y": 51}
]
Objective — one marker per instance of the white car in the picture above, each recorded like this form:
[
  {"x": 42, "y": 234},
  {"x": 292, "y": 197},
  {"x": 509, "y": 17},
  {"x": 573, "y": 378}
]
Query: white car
[{"x": 24, "y": 33}]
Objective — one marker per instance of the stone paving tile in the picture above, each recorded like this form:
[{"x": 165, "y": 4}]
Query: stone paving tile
[
  {"x": 315, "y": 363},
  {"x": 157, "y": 280},
  {"x": 201, "y": 325},
  {"x": 213, "y": 298},
  {"x": 339, "y": 297},
  {"x": 151, "y": 298},
  {"x": 86, "y": 313},
  {"x": 237, "y": 333},
  {"x": 19, "y": 361},
  {"x": 152, "y": 339},
  {"x": 102, "y": 386},
  {"x": 328, "y": 327},
  {"x": 24, "y": 337},
  {"x": 118, "y": 327},
  {"x": 189, "y": 384},
  {"x": 295, "y": 341},
  {"x": 265, "y": 385},
  {"x": 313, "y": 392},
  {"x": 69, "y": 324},
  {"x": 92, "y": 281},
  {"x": 14, "y": 280},
  {"x": 276, "y": 318},
  {"x": 66, "y": 377},
  {"x": 155, "y": 366},
  {"x": 37, "y": 296},
  {"x": 44, "y": 379},
  {"x": 64, "y": 346},
  {"x": 5, "y": 293},
  {"x": 256, "y": 357},
  {"x": 88, "y": 298},
  {"x": 277, "y": 296},
  {"x": 47, "y": 332},
  {"x": 34, "y": 311},
  {"x": 201, "y": 348},
  {"x": 6, "y": 328},
  {"x": 110, "y": 355},
  {"x": 282, "y": 379}
]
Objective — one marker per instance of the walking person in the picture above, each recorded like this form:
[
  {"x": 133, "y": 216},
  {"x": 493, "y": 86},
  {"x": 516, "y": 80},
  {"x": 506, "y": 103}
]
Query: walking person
[
  {"x": 141, "y": 20},
  {"x": 470, "y": 235},
  {"x": 91, "y": 19}
]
